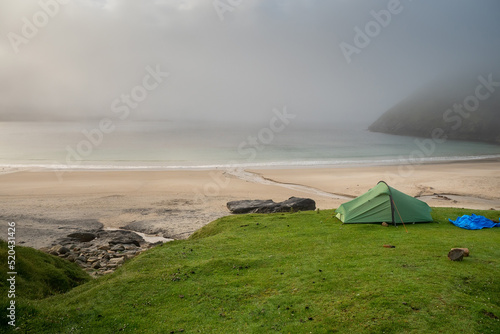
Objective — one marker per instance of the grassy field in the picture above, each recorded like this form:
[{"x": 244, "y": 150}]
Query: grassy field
[{"x": 292, "y": 273}]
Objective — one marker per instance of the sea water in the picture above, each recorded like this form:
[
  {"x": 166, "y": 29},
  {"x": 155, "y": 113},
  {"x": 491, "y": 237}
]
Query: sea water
[{"x": 175, "y": 145}]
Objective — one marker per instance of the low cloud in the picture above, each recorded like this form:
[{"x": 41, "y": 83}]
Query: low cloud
[{"x": 263, "y": 54}]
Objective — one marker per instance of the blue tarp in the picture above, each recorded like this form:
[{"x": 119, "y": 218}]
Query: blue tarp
[{"x": 474, "y": 222}]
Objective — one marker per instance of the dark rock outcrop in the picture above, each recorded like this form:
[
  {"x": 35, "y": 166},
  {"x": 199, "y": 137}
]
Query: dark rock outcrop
[
  {"x": 269, "y": 206},
  {"x": 99, "y": 252},
  {"x": 247, "y": 206},
  {"x": 121, "y": 237},
  {"x": 82, "y": 236}
]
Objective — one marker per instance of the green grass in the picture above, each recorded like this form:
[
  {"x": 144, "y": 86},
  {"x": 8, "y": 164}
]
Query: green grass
[
  {"x": 39, "y": 275},
  {"x": 292, "y": 273}
]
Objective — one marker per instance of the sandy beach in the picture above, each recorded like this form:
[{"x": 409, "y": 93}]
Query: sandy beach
[{"x": 47, "y": 205}]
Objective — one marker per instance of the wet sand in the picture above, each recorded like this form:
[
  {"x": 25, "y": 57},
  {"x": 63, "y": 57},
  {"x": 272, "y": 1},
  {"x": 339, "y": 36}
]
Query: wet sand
[{"x": 47, "y": 205}]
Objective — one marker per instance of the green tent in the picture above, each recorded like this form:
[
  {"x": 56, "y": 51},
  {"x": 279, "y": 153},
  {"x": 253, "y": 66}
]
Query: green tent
[{"x": 384, "y": 204}]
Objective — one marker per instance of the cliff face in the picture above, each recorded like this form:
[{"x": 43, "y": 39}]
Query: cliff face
[{"x": 463, "y": 109}]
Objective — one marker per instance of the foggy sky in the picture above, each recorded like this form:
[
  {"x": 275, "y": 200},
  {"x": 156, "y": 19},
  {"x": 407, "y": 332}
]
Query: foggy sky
[{"x": 265, "y": 54}]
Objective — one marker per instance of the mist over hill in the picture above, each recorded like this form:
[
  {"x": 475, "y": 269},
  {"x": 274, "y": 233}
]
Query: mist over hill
[{"x": 465, "y": 107}]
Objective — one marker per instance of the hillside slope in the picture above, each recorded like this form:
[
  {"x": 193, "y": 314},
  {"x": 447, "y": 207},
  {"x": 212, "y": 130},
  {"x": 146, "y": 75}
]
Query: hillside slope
[
  {"x": 459, "y": 106},
  {"x": 292, "y": 273},
  {"x": 39, "y": 275}
]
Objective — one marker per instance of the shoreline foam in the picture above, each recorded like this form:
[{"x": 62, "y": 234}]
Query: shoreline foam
[{"x": 302, "y": 164}]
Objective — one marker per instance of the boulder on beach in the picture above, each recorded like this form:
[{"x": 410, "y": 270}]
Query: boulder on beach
[
  {"x": 269, "y": 206},
  {"x": 82, "y": 236},
  {"x": 121, "y": 237},
  {"x": 246, "y": 206}
]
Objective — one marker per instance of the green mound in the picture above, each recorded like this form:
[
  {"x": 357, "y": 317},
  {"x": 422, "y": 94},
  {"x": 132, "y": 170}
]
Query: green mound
[
  {"x": 39, "y": 275},
  {"x": 293, "y": 273}
]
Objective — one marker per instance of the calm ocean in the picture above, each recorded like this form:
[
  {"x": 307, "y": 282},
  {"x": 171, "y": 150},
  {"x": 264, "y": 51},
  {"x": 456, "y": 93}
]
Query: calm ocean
[{"x": 167, "y": 145}]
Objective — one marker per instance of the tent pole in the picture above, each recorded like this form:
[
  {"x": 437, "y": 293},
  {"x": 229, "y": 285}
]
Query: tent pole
[
  {"x": 399, "y": 215},
  {"x": 392, "y": 202},
  {"x": 392, "y": 210}
]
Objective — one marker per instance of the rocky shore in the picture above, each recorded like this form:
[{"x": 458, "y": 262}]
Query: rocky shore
[{"x": 99, "y": 252}]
